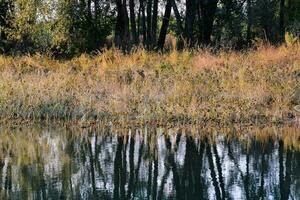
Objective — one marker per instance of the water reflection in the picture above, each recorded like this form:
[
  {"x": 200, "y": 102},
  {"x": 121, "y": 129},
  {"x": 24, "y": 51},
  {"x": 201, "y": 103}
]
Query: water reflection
[{"x": 149, "y": 163}]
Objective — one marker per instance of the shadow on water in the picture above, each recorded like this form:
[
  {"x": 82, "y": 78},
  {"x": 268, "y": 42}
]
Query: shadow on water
[{"x": 149, "y": 163}]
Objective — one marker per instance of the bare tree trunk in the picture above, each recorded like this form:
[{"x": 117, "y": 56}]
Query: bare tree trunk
[
  {"x": 122, "y": 25},
  {"x": 199, "y": 23},
  {"x": 164, "y": 26},
  {"x": 249, "y": 24},
  {"x": 281, "y": 19},
  {"x": 143, "y": 21},
  {"x": 149, "y": 16},
  {"x": 119, "y": 23},
  {"x": 208, "y": 10},
  {"x": 178, "y": 17},
  {"x": 189, "y": 21},
  {"x": 154, "y": 20},
  {"x": 139, "y": 21},
  {"x": 126, "y": 17},
  {"x": 132, "y": 21}
]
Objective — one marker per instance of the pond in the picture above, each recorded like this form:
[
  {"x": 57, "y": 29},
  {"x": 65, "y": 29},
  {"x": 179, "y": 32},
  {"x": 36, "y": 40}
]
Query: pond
[{"x": 51, "y": 162}]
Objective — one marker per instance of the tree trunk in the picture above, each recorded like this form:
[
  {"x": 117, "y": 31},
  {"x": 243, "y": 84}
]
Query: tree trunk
[
  {"x": 143, "y": 22},
  {"x": 200, "y": 23},
  {"x": 208, "y": 10},
  {"x": 132, "y": 21},
  {"x": 126, "y": 16},
  {"x": 189, "y": 21},
  {"x": 139, "y": 22},
  {"x": 122, "y": 30},
  {"x": 178, "y": 18},
  {"x": 154, "y": 20},
  {"x": 281, "y": 20},
  {"x": 149, "y": 16},
  {"x": 249, "y": 24},
  {"x": 96, "y": 2},
  {"x": 164, "y": 26}
]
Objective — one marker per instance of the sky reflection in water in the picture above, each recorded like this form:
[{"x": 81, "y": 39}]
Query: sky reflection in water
[{"x": 149, "y": 163}]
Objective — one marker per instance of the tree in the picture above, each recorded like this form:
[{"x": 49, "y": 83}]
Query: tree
[
  {"x": 149, "y": 24},
  {"x": 189, "y": 21},
  {"x": 143, "y": 21},
  {"x": 178, "y": 18},
  {"x": 71, "y": 27},
  {"x": 164, "y": 26},
  {"x": 154, "y": 20},
  {"x": 249, "y": 21},
  {"x": 281, "y": 19},
  {"x": 208, "y": 10},
  {"x": 132, "y": 21},
  {"x": 78, "y": 27},
  {"x": 6, "y": 9},
  {"x": 122, "y": 25}
]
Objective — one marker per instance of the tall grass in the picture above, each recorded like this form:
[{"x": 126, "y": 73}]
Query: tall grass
[{"x": 256, "y": 86}]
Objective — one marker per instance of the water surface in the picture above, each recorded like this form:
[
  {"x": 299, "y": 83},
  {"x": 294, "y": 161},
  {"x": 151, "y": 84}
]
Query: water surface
[{"x": 149, "y": 163}]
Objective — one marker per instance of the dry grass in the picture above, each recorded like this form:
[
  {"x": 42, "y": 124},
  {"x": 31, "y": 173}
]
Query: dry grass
[{"x": 257, "y": 86}]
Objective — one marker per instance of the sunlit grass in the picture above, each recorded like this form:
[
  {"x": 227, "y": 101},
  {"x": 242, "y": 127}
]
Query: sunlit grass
[{"x": 256, "y": 86}]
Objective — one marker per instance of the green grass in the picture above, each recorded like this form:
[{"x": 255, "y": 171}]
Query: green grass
[{"x": 257, "y": 86}]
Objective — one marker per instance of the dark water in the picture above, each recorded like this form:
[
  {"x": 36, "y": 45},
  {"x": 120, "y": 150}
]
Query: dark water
[{"x": 149, "y": 163}]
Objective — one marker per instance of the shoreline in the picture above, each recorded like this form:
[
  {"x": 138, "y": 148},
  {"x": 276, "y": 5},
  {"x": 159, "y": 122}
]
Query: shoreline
[{"x": 90, "y": 124}]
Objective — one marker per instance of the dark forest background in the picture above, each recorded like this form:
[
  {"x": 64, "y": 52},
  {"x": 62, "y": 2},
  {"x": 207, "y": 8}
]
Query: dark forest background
[{"x": 71, "y": 27}]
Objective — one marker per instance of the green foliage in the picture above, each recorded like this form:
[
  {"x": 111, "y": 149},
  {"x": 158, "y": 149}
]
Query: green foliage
[
  {"x": 77, "y": 30},
  {"x": 63, "y": 27},
  {"x": 229, "y": 24},
  {"x": 290, "y": 39},
  {"x": 166, "y": 67},
  {"x": 293, "y": 11},
  {"x": 71, "y": 27},
  {"x": 29, "y": 27},
  {"x": 294, "y": 29}
]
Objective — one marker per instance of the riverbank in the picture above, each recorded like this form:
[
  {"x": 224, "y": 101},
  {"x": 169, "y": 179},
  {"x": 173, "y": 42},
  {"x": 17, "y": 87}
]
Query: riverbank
[{"x": 258, "y": 86}]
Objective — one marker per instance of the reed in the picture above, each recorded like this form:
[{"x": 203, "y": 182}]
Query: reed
[{"x": 255, "y": 86}]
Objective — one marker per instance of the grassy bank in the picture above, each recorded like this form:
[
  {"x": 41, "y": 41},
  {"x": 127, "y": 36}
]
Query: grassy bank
[{"x": 256, "y": 86}]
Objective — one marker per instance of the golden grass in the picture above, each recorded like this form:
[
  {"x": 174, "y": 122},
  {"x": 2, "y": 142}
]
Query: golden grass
[{"x": 256, "y": 86}]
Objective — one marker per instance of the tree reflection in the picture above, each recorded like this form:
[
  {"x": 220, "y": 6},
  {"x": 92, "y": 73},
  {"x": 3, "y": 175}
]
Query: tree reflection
[
  {"x": 284, "y": 170},
  {"x": 118, "y": 168},
  {"x": 145, "y": 164},
  {"x": 213, "y": 173}
]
